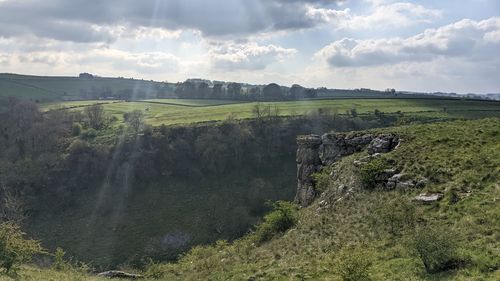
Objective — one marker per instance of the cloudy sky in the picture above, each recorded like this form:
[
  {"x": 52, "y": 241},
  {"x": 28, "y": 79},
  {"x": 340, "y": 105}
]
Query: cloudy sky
[{"x": 419, "y": 45}]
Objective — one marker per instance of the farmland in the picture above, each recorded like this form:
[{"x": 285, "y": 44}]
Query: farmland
[{"x": 184, "y": 111}]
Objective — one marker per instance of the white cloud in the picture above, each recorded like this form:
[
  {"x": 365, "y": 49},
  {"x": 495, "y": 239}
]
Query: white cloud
[
  {"x": 250, "y": 56},
  {"x": 467, "y": 39}
]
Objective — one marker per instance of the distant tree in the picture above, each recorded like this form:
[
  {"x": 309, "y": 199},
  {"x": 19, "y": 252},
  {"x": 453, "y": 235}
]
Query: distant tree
[
  {"x": 260, "y": 111},
  {"x": 185, "y": 89},
  {"x": 311, "y": 93},
  {"x": 254, "y": 93},
  {"x": 135, "y": 120},
  {"x": 217, "y": 91},
  {"x": 297, "y": 91},
  {"x": 203, "y": 90},
  {"x": 272, "y": 92},
  {"x": 95, "y": 116},
  {"x": 234, "y": 90},
  {"x": 86, "y": 75}
]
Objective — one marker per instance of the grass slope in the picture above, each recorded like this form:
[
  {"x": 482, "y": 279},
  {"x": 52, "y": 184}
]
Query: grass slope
[
  {"x": 169, "y": 113},
  {"x": 50, "y": 88},
  {"x": 460, "y": 158}
]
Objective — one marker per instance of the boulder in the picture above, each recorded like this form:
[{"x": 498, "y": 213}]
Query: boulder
[
  {"x": 428, "y": 198},
  {"x": 119, "y": 274}
]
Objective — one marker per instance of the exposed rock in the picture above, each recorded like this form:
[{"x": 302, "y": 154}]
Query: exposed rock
[
  {"x": 308, "y": 163},
  {"x": 315, "y": 152},
  {"x": 428, "y": 198},
  {"x": 335, "y": 146},
  {"x": 405, "y": 184},
  {"x": 119, "y": 274},
  {"x": 383, "y": 144}
]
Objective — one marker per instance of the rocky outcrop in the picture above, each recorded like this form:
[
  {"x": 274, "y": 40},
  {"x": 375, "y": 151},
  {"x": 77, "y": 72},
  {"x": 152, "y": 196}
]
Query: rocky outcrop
[
  {"x": 383, "y": 144},
  {"x": 316, "y": 151},
  {"x": 333, "y": 147},
  {"x": 308, "y": 163}
]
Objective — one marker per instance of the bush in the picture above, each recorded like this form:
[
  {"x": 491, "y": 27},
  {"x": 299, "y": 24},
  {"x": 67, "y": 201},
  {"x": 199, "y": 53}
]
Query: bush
[
  {"x": 353, "y": 264},
  {"x": 371, "y": 171},
  {"x": 68, "y": 264},
  {"x": 282, "y": 218},
  {"x": 14, "y": 249},
  {"x": 89, "y": 134},
  {"x": 59, "y": 262},
  {"x": 76, "y": 129},
  {"x": 437, "y": 248}
]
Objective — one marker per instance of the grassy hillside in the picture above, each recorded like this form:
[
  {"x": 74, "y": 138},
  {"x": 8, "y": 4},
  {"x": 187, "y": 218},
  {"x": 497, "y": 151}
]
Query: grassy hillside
[
  {"x": 373, "y": 231},
  {"x": 461, "y": 159},
  {"x": 173, "y": 111},
  {"x": 50, "y": 88}
]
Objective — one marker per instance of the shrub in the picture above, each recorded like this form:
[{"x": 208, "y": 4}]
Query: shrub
[
  {"x": 59, "y": 262},
  {"x": 89, "y": 134},
  {"x": 371, "y": 171},
  {"x": 76, "y": 129},
  {"x": 14, "y": 248},
  {"x": 323, "y": 180},
  {"x": 282, "y": 218},
  {"x": 437, "y": 248},
  {"x": 353, "y": 264}
]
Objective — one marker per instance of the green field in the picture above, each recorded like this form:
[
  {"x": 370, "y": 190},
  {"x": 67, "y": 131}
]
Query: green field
[
  {"x": 192, "y": 102},
  {"x": 157, "y": 113}
]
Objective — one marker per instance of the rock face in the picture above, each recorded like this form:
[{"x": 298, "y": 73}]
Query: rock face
[
  {"x": 308, "y": 163},
  {"x": 333, "y": 147},
  {"x": 314, "y": 152}
]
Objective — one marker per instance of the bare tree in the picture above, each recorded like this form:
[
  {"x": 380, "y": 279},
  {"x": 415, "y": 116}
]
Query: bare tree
[
  {"x": 12, "y": 208},
  {"x": 135, "y": 120},
  {"x": 95, "y": 116}
]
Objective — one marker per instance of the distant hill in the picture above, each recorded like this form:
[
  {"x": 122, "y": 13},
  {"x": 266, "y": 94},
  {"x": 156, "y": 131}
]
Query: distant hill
[
  {"x": 90, "y": 87},
  {"x": 52, "y": 88}
]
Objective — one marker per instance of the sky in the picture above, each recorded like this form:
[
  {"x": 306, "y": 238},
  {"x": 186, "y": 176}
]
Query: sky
[{"x": 424, "y": 45}]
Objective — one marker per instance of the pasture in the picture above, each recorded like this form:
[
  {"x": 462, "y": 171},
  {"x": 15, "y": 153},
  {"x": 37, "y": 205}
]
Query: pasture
[{"x": 185, "y": 111}]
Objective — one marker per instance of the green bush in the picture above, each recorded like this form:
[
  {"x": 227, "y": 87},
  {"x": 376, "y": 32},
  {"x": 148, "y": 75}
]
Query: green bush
[
  {"x": 353, "y": 264},
  {"x": 282, "y": 218},
  {"x": 437, "y": 248},
  {"x": 14, "y": 248},
  {"x": 370, "y": 172},
  {"x": 76, "y": 129},
  {"x": 59, "y": 261},
  {"x": 89, "y": 134}
]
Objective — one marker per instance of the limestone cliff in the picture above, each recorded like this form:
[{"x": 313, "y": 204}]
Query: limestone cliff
[{"x": 314, "y": 152}]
